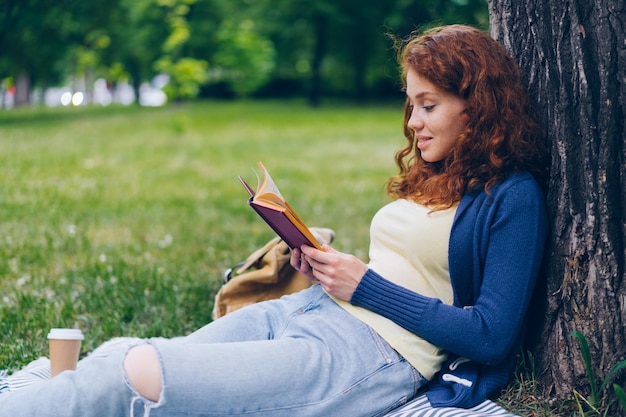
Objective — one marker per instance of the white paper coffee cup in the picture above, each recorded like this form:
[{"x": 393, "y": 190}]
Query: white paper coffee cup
[{"x": 64, "y": 349}]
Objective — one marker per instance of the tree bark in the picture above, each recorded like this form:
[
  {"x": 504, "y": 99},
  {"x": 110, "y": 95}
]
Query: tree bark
[
  {"x": 572, "y": 55},
  {"x": 22, "y": 89}
]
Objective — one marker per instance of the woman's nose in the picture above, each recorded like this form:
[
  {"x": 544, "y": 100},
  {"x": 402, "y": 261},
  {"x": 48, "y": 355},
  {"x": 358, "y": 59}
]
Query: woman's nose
[{"x": 415, "y": 121}]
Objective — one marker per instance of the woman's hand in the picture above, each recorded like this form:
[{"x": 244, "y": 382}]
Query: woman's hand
[
  {"x": 338, "y": 273},
  {"x": 299, "y": 262}
]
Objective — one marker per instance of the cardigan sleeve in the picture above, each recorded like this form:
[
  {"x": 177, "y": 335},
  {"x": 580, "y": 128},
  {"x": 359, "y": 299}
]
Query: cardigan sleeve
[{"x": 512, "y": 232}]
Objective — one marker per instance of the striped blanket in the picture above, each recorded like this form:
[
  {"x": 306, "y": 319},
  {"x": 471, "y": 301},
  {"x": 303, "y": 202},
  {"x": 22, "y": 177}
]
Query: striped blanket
[{"x": 420, "y": 407}]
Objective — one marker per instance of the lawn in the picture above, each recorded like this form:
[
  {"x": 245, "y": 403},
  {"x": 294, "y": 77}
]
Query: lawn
[{"x": 120, "y": 221}]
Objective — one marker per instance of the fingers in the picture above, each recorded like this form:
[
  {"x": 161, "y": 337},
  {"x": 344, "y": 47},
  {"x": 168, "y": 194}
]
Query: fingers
[
  {"x": 295, "y": 258},
  {"x": 318, "y": 255},
  {"x": 338, "y": 273},
  {"x": 299, "y": 262},
  {"x": 328, "y": 249},
  {"x": 323, "y": 261}
]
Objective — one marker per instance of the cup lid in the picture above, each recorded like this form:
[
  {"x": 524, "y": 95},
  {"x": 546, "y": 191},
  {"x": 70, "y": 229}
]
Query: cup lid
[{"x": 66, "y": 334}]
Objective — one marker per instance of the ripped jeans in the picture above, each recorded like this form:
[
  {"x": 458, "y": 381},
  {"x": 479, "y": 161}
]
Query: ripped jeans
[{"x": 302, "y": 355}]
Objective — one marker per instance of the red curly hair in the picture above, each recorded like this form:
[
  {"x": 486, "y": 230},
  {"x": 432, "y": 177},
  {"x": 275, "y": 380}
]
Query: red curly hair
[{"x": 501, "y": 136}]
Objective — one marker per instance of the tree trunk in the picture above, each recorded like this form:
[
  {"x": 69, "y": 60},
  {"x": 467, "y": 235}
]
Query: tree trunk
[
  {"x": 22, "y": 89},
  {"x": 573, "y": 57}
]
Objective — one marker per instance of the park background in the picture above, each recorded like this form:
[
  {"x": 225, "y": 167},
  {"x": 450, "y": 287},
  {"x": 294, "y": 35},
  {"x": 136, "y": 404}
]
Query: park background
[
  {"x": 211, "y": 48},
  {"x": 121, "y": 213}
]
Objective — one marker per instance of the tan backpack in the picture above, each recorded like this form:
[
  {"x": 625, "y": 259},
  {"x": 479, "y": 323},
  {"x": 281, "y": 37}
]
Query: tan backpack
[{"x": 266, "y": 274}]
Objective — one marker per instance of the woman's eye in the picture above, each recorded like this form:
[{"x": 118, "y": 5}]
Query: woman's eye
[{"x": 429, "y": 108}]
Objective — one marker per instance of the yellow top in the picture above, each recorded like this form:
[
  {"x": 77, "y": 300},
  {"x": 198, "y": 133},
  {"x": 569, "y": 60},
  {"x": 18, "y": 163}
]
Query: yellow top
[{"x": 400, "y": 253}]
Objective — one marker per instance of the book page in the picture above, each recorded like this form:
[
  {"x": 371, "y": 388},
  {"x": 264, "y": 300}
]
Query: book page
[
  {"x": 267, "y": 185},
  {"x": 271, "y": 200}
]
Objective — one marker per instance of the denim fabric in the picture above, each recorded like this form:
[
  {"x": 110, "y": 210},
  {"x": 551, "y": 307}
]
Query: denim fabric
[
  {"x": 301, "y": 355},
  {"x": 98, "y": 388}
]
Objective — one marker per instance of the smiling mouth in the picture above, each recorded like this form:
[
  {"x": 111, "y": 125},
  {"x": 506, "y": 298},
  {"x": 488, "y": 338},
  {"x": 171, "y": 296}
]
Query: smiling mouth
[{"x": 421, "y": 142}]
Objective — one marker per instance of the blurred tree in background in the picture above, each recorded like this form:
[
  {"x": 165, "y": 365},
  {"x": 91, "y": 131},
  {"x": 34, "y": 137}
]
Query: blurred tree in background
[
  {"x": 186, "y": 73},
  {"x": 218, "y": 48},
  {"x": 43, "y": 42}
]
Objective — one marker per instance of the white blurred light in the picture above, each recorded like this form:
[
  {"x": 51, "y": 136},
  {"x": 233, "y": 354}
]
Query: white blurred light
[
  {"x": 152, "y": 97},
  {"x": 124, "y": 94},
  {"x": 101, "y": 93},
  {"x": 77, "y": 98},
  {"x": 66, "y": 98}
]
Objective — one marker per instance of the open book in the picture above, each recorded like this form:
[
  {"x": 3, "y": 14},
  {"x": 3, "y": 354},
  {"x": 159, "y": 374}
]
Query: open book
[{"x": 267, "y": 201}]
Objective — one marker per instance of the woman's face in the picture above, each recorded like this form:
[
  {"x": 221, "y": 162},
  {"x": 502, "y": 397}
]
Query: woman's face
[{"x": 436, "y": 117}]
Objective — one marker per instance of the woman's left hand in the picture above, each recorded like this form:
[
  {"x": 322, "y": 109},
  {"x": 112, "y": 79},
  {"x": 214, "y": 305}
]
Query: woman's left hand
[{"x": 338, "y": 273}]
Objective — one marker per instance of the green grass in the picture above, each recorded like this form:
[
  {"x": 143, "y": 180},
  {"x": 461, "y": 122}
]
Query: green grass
[{"x": 120, "y": 221}]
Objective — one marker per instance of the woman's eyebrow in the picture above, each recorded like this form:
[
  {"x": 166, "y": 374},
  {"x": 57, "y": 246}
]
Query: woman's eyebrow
[{"x": 423, "y": 94}]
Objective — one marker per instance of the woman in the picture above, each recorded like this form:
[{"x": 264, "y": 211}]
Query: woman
[{"x": 453, "y": 261}]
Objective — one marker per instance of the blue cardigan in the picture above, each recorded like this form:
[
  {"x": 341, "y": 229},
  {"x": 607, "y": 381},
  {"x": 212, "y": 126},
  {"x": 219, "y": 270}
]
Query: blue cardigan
[{"x": 494, "y": 255}]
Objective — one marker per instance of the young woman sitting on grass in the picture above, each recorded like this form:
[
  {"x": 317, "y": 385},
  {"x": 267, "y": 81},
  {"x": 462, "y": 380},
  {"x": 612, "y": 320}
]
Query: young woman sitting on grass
[{"x": 439, "y": 307}]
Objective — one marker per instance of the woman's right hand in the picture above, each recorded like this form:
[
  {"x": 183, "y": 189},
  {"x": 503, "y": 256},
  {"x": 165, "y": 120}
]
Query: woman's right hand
[{"x": 301, "y": 265}]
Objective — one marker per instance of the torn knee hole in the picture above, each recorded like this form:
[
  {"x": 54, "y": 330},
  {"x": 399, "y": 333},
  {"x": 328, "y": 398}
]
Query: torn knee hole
[{"x": 143, "y": 368}]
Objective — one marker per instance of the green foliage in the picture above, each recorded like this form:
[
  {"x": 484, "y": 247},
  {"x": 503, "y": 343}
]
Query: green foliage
[
  {"x": 597, "y": 400},
  {"x": 186, "y": 76},
  {"x": 121, "y": 220},
  {"x": 38, "y": 37},
  {"x": 247, "y": 44},
  {"x": 176, "y": 16},
  {"x": 137, "y": 34},
  {"x": 245, "y": 59},
  {"x": 524, "y": 396},
  {"x": 621, "y": 396}
]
